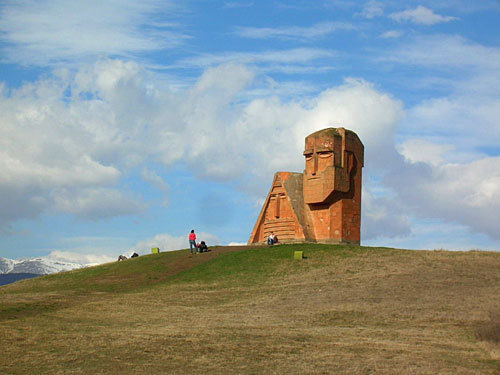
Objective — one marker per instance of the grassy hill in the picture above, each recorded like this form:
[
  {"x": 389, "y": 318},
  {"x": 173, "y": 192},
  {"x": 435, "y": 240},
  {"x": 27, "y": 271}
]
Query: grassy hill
[{"x": 255, "y": 310}]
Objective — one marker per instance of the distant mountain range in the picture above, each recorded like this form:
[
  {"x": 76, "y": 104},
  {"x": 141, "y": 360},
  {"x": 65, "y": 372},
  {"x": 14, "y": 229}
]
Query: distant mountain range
[{"x": 31, "y": 267}]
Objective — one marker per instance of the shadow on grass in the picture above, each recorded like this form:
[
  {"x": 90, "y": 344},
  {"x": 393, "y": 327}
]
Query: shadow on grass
[{"x": 490, "y": 330}]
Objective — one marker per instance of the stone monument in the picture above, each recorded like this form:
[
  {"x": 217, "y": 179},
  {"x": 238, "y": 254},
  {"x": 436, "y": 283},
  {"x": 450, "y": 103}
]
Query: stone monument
[{"x": 323, "y": 204}]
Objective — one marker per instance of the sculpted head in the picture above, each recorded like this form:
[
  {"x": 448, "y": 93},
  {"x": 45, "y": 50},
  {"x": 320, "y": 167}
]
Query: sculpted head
[{"x": 322, "y": 152}]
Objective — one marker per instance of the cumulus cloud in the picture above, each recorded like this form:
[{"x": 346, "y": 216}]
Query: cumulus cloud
[
  {"x": 359, "y": 106},
  {"x": 383, "y": 216},
  {"x": 421, "y": 150},
  {"x": 438, "y": 234},
  {"x": 460, "y": 193},
  {"x": 92, "y": 127},
  {"x": 117, "y": 117},
  {"x": 72, "y": 257},
  {"x": 48, "y": 32},
  {"x": 89, "y": 250},
  {"x": 64, "y": 152},
  {"x": 421, "y": 15},
  {"x": 96, "y": 203},
  {"x": 446, "y": 174}
]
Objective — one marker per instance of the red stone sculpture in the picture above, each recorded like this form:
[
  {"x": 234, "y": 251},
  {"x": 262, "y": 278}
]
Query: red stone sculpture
[{"x": 323, "y": 204}]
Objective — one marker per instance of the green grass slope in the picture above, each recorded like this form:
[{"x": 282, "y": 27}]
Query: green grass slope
[{"x": 254, "y": 310}]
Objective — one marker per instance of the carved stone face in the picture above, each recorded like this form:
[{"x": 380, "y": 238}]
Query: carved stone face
[{"x": 319, "y": 175}]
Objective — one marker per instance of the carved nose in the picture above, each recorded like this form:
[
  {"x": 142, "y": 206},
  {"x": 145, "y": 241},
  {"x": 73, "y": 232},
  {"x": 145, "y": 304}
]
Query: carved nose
[{"x": 315, "y": 163}]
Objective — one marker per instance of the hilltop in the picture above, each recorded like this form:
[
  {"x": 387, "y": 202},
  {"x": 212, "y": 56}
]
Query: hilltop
[{"x": 253, "y": 310}]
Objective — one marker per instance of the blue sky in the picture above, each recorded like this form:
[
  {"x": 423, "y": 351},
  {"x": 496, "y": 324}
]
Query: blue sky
[{"x": 124, "y": 125}]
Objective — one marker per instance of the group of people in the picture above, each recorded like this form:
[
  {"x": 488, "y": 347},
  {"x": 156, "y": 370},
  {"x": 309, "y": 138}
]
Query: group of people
[
  {"x": 202, "y": 247},
  {"x": 194, "y": 247},
  {"x": 132, "y": 255},
  {"x": 272, "y": 239}
]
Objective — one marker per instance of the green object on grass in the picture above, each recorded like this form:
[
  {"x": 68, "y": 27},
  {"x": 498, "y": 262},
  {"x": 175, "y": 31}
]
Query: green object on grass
[
  {"x": 155, "y": 250},
  {"x": 298, "y": 255}
]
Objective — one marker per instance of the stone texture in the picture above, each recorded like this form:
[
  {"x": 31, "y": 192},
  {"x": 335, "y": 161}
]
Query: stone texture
[{"x": 323, "y": 204}]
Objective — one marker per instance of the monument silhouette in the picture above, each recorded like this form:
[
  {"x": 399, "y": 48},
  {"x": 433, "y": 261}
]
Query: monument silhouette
[{"x": 323, "y": 204}]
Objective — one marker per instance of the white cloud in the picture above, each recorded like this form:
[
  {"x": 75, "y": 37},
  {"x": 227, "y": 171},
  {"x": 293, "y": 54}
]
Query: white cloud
[
  {"x": 116, "y": 117},
  {"x": 158, "y": 182},
  {"x": 47, "y": 32},
  {"x": 436, "y": 234},
  {"x": 421, "y": 15},
  {"x": 383, "y": 216},
  {"x": 96, "y": 203},
  {"x": 274, "y": 60},
  {"x": 65, "y": 152},
  {"x": 372, "y": 9},
  {"x": 72, "y": 257},
  {"x": 392, "y": 34},
  {"x": 450, "y": 119},
  {"x": 211, "y": 84},
  {"x": 119, "y": 116},
  {"x": 88, "y": 250},
  {"x": 446, "y": 51},
  {"x": 421, "y": 150},
  {"x": 447, "y": 175},
  {"x": 358, "y": 106},
  {"x": 155, "y": 180},
  {"x": 466, "y": 117},
  {"x": 459, "y": 193},
  {"x": 293, "y": 32},
  {"x": 267, "y": 125}
]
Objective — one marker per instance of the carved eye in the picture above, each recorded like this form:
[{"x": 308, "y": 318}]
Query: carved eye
[
  {"x": 325, "y": 154},
  {"x": 308, "y": 156}
]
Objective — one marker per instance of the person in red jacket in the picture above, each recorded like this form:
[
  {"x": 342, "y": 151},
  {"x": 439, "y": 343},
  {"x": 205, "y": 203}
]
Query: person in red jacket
[{"x": 192, "y": 242}]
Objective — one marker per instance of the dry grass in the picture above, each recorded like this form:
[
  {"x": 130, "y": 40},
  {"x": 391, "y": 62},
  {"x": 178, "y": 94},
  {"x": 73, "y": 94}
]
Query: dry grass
[
  {"x": 490, "y": 330},
  {"x": 357, "y": 312}
]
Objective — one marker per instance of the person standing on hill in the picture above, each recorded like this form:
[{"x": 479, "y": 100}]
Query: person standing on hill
[{"x": 192, "y": 242}]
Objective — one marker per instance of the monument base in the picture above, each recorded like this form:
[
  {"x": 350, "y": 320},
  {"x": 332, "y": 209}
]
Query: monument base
[{"x": 326, "y": 242}]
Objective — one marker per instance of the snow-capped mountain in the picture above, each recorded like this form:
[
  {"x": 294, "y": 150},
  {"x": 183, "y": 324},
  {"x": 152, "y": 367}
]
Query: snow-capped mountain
[
  {"x": 40, "y": 266},
  {"x": 6, "y": 265}
]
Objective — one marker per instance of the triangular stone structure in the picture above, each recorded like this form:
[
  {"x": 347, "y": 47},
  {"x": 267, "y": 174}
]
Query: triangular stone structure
[{"x": 283, "y": 210}]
